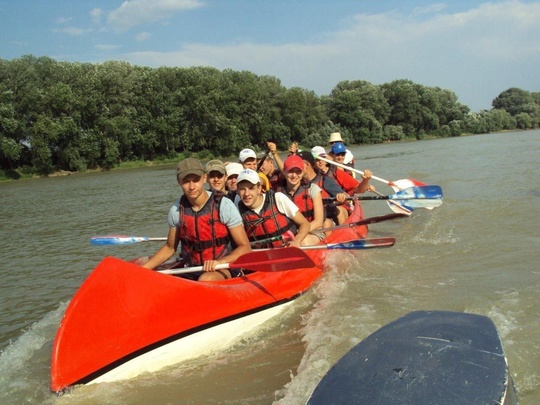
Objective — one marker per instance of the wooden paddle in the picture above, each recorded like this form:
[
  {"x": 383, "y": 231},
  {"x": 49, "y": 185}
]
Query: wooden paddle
[{"x": 281, "y": 259}]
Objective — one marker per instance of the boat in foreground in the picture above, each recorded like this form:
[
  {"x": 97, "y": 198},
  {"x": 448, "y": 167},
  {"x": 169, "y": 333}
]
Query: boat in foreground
[
  {"x": 424, "y": 357},
  {"x": 126, "y": 320}
]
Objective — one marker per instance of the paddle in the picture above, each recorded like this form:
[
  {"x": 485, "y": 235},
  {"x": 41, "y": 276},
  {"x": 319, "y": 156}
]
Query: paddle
[
  {"x": 127, "y": 239},
  {"x": 281, "y": 259},
  {"x": 355, "y": 244},
  {"x": 366, "y": 221},
  {"x": 396, "y": 185},
  {"x": 417, "y": 197}
]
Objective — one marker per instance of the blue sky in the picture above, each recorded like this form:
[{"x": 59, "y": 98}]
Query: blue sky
[{"x": 475, "y": 48}]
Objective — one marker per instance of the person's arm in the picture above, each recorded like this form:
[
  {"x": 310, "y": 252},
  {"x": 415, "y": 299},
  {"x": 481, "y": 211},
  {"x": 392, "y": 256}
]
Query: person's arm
[
  {"x": 239, "y": 236},
  {"x": 363, "y": 186},
  {"x": 273, "y": 151},
  {"x": 318, "y": 208},
  {"x": 303, "y": 226},
  {"x": 230, "y": 216},
  {"x": 165, "y": 252}
]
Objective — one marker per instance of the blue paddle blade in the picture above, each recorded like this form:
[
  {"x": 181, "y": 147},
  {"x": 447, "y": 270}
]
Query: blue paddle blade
[
  {"x": 363, "y": 244},
  {"x": 419, "y": 197}
]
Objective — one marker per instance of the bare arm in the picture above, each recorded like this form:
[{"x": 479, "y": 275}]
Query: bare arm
[
  {"x": 273, "y": 151},
  {"x": 239, "y": 236},
  {"x": 303, "y": 229},
  {"x": 318, "y": 212},
  {"x": 165, "y": 252},
  {"x": 362, "y": 187}
]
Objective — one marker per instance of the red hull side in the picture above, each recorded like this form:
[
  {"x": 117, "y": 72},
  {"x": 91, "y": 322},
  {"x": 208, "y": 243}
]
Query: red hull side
[{"x": 122, "y": 308}]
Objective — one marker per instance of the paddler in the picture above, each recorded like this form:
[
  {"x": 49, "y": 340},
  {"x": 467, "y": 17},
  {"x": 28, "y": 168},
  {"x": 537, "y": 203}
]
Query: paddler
[
  {"x": 207, "y": 225},
  {"x": 270, "y": 214}
]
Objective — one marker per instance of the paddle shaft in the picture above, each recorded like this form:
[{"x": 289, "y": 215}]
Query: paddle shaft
[
  {"x": 352, "y": 169},
  {"x": 290, "y": 258},
  {"x": 366, "y": 221}
]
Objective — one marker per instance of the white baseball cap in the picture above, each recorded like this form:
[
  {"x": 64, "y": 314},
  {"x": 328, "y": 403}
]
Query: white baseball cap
[
  {"x": 318, "y": 151},
  {"x": 249, "y": 175},
  {"x": 246, "y": 154},
  {"x": 233, "y": 168}
]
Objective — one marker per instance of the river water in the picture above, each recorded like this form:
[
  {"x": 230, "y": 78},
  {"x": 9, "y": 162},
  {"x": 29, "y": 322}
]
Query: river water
[{"x": 478, "y": 253}]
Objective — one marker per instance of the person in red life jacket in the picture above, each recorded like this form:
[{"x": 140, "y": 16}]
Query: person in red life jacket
[
  {"x": 334, "y": 213},
  {"x": 345, "y": 180},
  {"x": 208, "y": 226},
  {"x": 268, "y": 215},
  {"x": 215, "y": 173},
  {"x": 349, "y": 157},
  {"x": 233, "y": 170},
  {"x": 305, "y": 195}
]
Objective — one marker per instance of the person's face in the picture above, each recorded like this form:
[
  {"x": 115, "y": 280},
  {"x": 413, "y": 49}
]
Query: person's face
[
  {"x": 294, "y": 176},
  {"x": 250, "y": 163},
  {"x": 339, "y": 157},
  {"x": 193, "y": 185},
  {"x": 267, "y": 166},
  {"x": 216, "y": 180},
  {"x": 249, "y": 193},
  {"x": 319, "y": 164},
  {"x": 231, "y": 182}
]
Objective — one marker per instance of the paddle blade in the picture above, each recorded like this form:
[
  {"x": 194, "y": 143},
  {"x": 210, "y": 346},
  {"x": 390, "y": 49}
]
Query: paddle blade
[
  {"x": 420, "y": 197},
  {"x": 364, "y": 244},
  {"x": 405, "y": 183},
  {"x": 278, "y": 259},
  {"x": 117, "y": 239}
]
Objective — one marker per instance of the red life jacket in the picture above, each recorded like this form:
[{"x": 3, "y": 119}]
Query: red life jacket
[
  {"x": 302, "y": 199},
  {"x": 203, "y": 235},
  {"x": 319, "y": 180},
  {"x": 268, "y": 224}
]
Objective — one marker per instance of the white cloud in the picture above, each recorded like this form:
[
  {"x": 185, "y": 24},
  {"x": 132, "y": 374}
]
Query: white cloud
[
  {"x": 96, "y": 15},
  {"x": 477, "y": 53},
  {"x": 73, "y": 31},
  {"x": 105, "y": 47},
  {"x": 143, "y": 36},
  {"x": 63, "y": 20},
  {"x": 136, "y": 12}
]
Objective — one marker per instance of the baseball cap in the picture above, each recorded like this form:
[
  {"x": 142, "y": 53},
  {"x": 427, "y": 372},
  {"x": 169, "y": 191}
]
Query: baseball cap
[
  {"x": 215, "y": 166},
  {"x": 319, "y": 151},
  {"x": 234, "y": 168},
  {"x": 338, "y": 147},
  {"x": 246, "y": 154},
  {"x": 335, "y": 137},
  {"x": 293, "y": 161},
  {"x": 249, "y": 175},
  {"x": 307, "y": 156},
  {"x": 189, "y": 166}
]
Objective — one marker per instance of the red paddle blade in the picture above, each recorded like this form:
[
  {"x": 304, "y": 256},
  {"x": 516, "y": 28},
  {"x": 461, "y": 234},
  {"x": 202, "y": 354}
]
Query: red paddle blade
[
  {"x": 278, "y": 259},
  {"x": 405, "y": 183}
]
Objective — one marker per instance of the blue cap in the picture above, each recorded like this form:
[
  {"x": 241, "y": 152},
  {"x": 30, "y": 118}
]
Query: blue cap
[{"x": 338, "y": 147}]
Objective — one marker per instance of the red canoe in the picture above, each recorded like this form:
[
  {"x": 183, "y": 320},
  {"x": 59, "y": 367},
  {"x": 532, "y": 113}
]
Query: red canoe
[{"x": 126, "y": 320}]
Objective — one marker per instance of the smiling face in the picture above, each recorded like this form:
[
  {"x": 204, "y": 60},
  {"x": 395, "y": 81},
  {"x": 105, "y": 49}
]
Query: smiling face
[
  {"x": 250, "y": 194},
  {"x": 294, "y": 177},
  {"x": 216, "y": 180},
  {"x": 193, "y": 186},
  {"x": 231, "y": 182},
  {"x": 250, "y": 163},
  {"x": 339, "y": 157}
]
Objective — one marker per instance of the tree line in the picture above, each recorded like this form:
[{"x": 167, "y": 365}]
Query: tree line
[{"x": 79, "y": 116}]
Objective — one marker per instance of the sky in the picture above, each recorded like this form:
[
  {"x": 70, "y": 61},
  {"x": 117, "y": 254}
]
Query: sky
[{"x": 477, "y": 49}]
